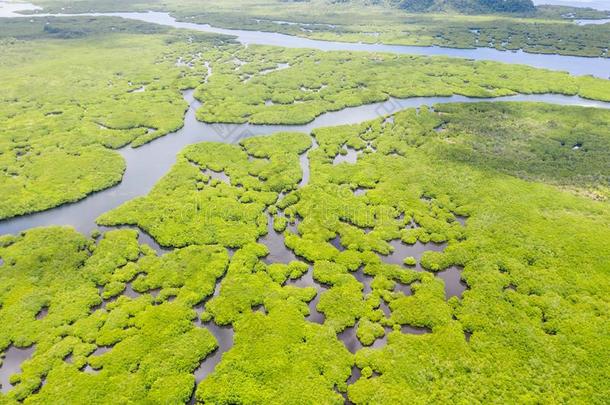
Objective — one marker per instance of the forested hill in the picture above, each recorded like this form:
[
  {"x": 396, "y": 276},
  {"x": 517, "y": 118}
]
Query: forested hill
[{"x": 466, "y": 6}]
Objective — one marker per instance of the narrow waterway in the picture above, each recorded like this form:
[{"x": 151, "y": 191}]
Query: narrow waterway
[
  {"x": 148, "y": 163},
  {"x": 599, "y": 67},
  {"x": 596, "y": 4},
  {"x": 593, "y": 22}
]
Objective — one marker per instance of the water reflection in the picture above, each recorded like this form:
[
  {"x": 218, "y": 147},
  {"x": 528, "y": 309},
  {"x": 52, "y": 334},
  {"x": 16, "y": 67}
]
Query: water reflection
[
  {"x": 350, "y": 156},
  {"x": 596, "y": 4},
  {"x": 416, "y": 250},
  {"x": 593, "y": 22},
  {"x": 224, "y": 337},
  {"x": 403, "y": 288},
  {"x": 365, "y": 279},
  {"x": 278, "y": 252},
  {"x": 454, "y": 285},
  {"x": 11, "y": 364}
]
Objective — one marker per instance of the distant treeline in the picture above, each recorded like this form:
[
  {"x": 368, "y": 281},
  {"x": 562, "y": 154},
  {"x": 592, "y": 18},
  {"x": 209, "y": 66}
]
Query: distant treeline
[{"x": 467, "y": 6}]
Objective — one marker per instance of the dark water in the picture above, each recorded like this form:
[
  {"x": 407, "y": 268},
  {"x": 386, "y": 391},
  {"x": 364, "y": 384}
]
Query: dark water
[
  {"x": 278, "y": 252},
  {"x": 403, "y": 250},
  {"x": 222, "y": 334},
  {"x": 461, "y": 219},
  {"x": 351, "y": 156},
  {"x": 11, "y": 364},
  {"x": 403, "y": 288},
  {"x": 414, "y": 330},
  {"x": 454, "y": 286},
  {"x": 356, "y": 373},
  {"x": 224, "y": 337},
  {"x": 101, "y": 350},
  {"x": 98, "y": 352},
  {"x": 44, "y": 311},
  {"x": 307, "y": 281},
  {"x": 350, "y": 340},
  {"x": 304, "y": 162},
  {"x": 365, "y": 279},
  {"x": 220, "y": 176}
]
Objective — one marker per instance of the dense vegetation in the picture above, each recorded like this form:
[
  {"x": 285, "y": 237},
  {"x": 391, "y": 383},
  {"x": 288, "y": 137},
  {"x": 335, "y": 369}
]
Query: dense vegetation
[
  {"x": 124, "y": 88},
  {"x": 58, "y": 129},
  {"x": 547, "y": 143},
  {"x": 542, "y": 31},
  {"x": 467, "y": 6},
  {"x": 455, "y": 254},
  {"x": 529, "y": 282},
  {"x": 265, "y": 85},
  {"x": 534, "y": 35},
  {"x": 145, "y": 348},
  {"x": 536, "y": 300}
]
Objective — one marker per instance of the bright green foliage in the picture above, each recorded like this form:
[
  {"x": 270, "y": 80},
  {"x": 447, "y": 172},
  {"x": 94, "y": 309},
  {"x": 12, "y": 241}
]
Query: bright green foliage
[
  {"x": 279, "y": 223},
  {"x": 565, "y": 146},
  {"x": 281, "y": 272},
  {"x": 416, "y": 186},
  {"x": 409, "y": 366},
  {"x": 426, "y": 307},
  {"x": 249, "y": 283},
  {"x": 515, "y": 234},
  {"x": 277, "y": 359},
  {"x": 543, "y": 30},
  {"x": 115, "y": 250},
  {"x": 179, "y": 273},
  {"x": 187, "y": 207},
  {"x": 153, "y": 346},
  {"x": 369, "y": 331},
  {"x": 410, "y": 261},
  {"x": 40, "y": 271},
  {"x": 342, "y": 304},
  {"x": 302, "y": 84},
  {"x": 58, "y": 129},
  {"x": 124, "y": 89},
  {"x": 532, "y": 180},
  {"x": 31, "y": 174}
]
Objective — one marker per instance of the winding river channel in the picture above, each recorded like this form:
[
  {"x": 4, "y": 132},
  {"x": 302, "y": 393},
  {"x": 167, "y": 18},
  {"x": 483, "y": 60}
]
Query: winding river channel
[
  {"x": 599, "y": 67},
  {"x": 147, "y": 164}
]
